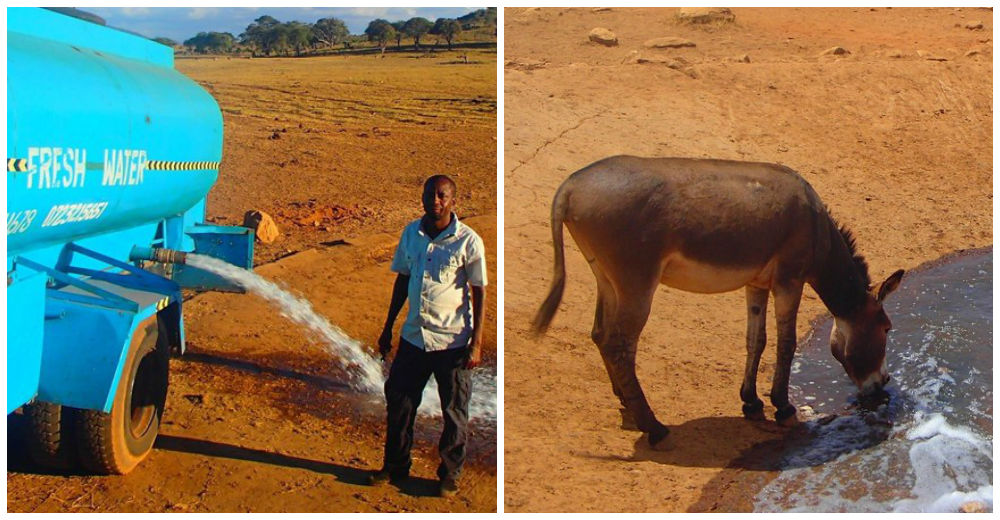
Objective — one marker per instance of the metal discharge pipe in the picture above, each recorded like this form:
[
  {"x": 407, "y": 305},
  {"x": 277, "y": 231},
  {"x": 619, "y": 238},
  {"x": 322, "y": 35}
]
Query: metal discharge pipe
[{"x": 157, "y": 254}]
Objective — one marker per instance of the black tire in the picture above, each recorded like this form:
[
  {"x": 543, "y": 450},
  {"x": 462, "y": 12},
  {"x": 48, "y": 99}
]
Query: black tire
[
  {"x": 50, "y": 434},
  {"x": 114, "y": 443}
]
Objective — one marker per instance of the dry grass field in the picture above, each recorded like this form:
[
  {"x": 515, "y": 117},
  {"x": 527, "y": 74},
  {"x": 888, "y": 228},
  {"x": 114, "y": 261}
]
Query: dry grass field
[
  {"x": 258, "y": 419},
  {"x": 355, "y": 90},
  {"x": 351, "y": 137}
]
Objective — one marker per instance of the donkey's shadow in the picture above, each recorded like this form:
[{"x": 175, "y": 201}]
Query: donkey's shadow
[{"x": 734, "y": 442}]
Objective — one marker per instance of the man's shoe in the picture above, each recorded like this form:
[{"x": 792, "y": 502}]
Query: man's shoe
[
  {"x": 383, "y": 476},
  {"x": 449, "y": 488}
]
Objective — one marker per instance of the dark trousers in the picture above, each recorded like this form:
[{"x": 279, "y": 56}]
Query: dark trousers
[{"x": 410, "y": 371}]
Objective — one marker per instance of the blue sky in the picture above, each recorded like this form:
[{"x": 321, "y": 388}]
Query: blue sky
[{"x": 181, "y": 23}]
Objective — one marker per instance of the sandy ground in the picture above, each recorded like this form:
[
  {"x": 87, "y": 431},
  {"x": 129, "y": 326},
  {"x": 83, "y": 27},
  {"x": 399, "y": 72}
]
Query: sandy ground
[
  {"x": 258, "y": 418},
  {"x": 896, "y": 137}
]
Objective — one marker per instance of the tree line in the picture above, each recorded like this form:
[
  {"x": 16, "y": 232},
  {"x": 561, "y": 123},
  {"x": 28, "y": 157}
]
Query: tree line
[{"x": 267, "y": 36}]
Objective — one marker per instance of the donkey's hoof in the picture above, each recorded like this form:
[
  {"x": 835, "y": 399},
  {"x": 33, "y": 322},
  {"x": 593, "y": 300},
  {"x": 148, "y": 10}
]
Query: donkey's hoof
[
  {"x": 628, "y": 421},
  {"x": 660, "y": 439},
  {"x": 754, "y": 411},
  {"x": 786, "y": 416}
]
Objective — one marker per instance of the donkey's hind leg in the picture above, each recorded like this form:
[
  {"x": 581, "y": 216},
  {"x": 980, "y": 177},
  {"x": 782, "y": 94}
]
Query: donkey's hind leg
[
  {"x": 753, "y": 407},
  {"x": 618, "y": 349},
  {"x": 605, "y": 304}
]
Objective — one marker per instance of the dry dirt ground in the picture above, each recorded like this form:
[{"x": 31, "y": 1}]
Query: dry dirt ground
[
  {"x": 896, "y": 137},
  {"x": 258, "y": 418}
]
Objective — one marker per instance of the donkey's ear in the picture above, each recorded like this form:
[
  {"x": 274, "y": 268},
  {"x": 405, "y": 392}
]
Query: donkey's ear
[{"x": 890, "y": 284}]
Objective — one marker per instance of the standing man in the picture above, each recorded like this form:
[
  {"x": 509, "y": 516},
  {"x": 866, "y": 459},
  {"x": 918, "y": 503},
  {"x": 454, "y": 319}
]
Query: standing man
[{"x": 441, "y": 268}]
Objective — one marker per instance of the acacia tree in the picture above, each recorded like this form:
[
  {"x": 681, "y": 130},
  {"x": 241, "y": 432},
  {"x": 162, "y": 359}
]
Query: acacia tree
[
  {"x": 257, "y": 34},
  {"x": 380, "y": 31},
  {"x": 417, "y": 27},
  {"x": 330, "y": 31},
  {"x": 400, "y": 31},
  {"x": 447, "y": 28},
  {"x": 276, "y": 39},
  {"x": 211, "y": 42},
  {"x": 299, "y": 36}
]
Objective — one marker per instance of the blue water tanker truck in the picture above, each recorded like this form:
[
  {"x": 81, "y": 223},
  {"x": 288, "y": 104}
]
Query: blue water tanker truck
[{"x": 110, "y": 155}]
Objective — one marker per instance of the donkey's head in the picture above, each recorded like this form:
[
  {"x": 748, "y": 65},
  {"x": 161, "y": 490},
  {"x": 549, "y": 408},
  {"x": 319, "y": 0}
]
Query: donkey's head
[{"x": 858, "y": 340}]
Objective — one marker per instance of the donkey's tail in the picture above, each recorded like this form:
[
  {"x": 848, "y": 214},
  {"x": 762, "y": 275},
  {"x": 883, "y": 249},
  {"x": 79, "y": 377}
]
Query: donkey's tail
[{"x": 548, "y": 309}]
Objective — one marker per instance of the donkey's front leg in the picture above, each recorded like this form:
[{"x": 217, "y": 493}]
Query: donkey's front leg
[
  {"x": 753, "y": 407},
  {"x": 786, "y": 307}
]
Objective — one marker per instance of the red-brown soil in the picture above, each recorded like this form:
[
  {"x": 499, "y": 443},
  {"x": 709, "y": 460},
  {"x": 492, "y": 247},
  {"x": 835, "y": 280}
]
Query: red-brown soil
[{"x": 900, "y": 148}]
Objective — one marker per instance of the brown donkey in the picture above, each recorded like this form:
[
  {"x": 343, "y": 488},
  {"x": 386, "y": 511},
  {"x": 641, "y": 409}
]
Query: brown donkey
[{"x": 710, "y": 226}]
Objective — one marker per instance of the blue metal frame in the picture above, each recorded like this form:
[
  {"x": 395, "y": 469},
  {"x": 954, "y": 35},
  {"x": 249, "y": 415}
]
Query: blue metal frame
[
  {"x": 232, "y": 244},
  {"x": 86, "y": 338}
]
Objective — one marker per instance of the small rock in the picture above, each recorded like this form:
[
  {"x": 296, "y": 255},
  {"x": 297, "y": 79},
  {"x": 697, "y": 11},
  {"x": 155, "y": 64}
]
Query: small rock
[
  {"x": 974, "y": 507},
  {"x": 678, "y": 64},
  {"x": 667, "y": 42},
  {"x": 835, "y": 51},
  {"x": 743, "y": 59},
  {"x": 603, "y": 36},
  {"x": 718, "y": 15},
  {"x": 972, "y": 53},
  {"x": 654, "y": 60},
  {"x": 263, "y": 225},
  {"x": 525, "y": 64},
  {"x": 895, "y": 53},
  {"x": 600, "y": 9},
  {"x": 974, "y": 25},
  {"x": 928, "y": 56}
]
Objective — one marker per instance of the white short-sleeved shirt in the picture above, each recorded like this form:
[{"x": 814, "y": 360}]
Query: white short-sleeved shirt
[{"x": 440, "y": 271}]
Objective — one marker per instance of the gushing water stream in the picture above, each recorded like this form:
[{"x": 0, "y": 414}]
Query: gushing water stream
[{"x": 365, "y": 370}]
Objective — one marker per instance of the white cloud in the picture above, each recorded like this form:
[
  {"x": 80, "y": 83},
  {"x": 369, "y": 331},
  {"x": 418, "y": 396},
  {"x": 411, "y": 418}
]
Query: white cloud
[
  {"x": 135, "y": 12},
  {"x": 368, "y": 11},
  {"x": 199, "y": 13}
]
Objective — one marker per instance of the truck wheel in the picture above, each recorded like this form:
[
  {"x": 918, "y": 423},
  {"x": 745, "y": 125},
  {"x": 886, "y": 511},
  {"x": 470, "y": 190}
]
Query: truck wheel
[
  {"x": 114, "y": 443},
  {"x": 50, "y": 435}
]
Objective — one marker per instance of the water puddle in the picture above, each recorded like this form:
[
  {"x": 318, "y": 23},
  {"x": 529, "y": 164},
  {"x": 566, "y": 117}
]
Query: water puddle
[
  {"x": 928, "y": 447},
  {"x": 366, "y": 372}
]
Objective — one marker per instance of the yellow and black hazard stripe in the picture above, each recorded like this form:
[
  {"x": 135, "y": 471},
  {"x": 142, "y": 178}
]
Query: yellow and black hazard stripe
[
  {"x": 162, "y": 304},
  {"x": 17, "y": 165},
  {"x": 182, "y": 165}
]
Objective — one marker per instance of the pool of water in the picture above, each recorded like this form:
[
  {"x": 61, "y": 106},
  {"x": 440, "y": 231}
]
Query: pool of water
[{"x": 927, "y": 447}]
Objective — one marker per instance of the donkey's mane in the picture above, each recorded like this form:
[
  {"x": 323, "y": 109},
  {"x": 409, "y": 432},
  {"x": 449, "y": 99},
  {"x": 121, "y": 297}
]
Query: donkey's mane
[{"x": 859, "y": 261}]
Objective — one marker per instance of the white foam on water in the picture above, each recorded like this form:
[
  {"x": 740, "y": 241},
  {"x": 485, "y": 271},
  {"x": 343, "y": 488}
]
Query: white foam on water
[
  {"x": 928, "y": 465},
  {"x": 944, "y": 459},
  {"x": 364, "y": 369},
  {"x": 938, "y": 455},
  {"x": 482, "y": 403}
]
